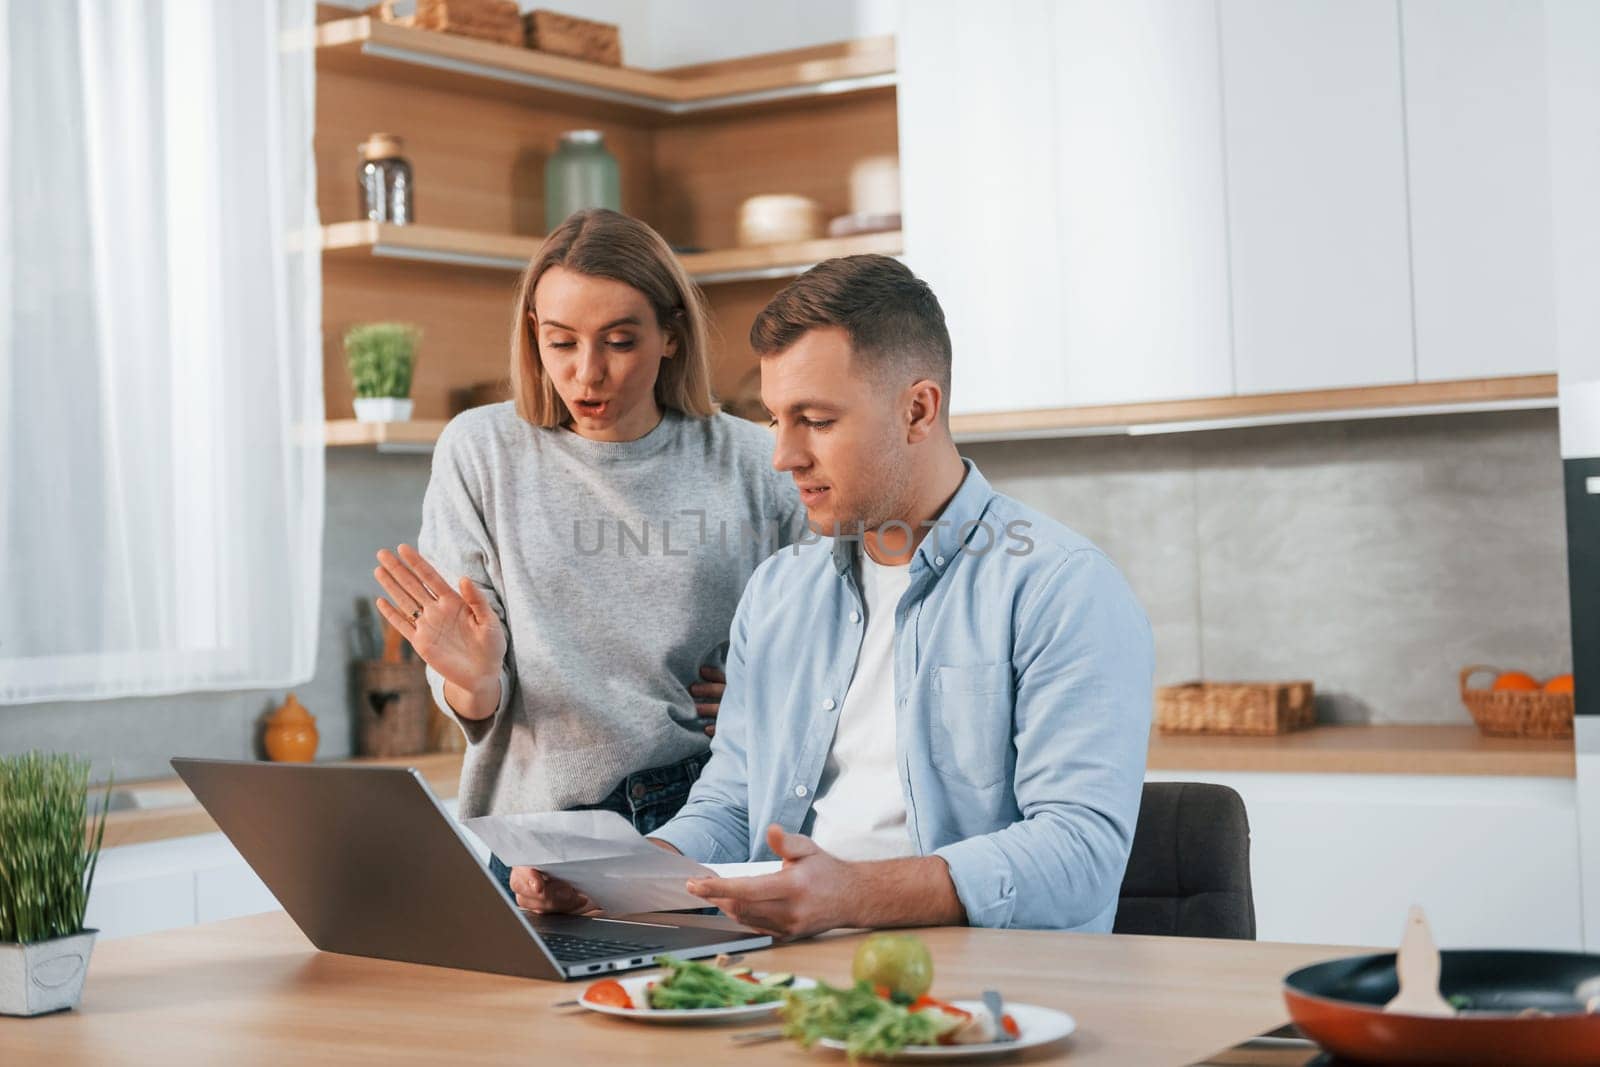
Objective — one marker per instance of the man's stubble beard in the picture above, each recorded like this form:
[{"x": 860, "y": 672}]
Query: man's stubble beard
[{"x": 886, "y": 500}]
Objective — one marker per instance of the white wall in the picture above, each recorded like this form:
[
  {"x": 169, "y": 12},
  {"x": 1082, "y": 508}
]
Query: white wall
[{"x": 702, "y": 31}]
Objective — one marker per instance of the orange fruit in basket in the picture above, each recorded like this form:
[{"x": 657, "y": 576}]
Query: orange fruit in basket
[
  {"x": 1520, "y": 680},
  {"x": 1561, "y": 683}
]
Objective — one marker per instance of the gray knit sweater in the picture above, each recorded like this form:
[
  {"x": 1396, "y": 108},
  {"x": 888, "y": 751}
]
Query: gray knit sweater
[{"x": 616, "y": 568}]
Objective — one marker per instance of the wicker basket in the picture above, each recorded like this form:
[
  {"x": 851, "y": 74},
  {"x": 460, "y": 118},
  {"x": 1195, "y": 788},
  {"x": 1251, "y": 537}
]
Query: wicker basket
[
  {"x": 1238, "y": 708},
  {"x": 565, "y": 35},
  {"x": 395, "y": 706},
  {"x": 1516, "y": 712},
  {"x": 488, "y": 20}
]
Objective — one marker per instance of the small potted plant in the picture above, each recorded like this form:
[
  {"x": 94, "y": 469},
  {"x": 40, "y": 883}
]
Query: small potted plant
[
  {"x": 48, "y": 854},
  {"x": 380, "y": 356}
]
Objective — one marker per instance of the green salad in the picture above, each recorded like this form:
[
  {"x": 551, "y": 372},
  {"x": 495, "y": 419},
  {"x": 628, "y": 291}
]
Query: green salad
[
  {"x": 867, "y": 1024},
  {"x": 690, "y": 985}
]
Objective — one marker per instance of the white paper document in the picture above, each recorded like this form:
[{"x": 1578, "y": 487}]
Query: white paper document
[{"x": 603, "y": 857}]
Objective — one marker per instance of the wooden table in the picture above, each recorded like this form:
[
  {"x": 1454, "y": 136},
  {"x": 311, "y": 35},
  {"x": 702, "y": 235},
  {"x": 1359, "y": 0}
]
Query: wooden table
[{"x": 253, "y": 990}]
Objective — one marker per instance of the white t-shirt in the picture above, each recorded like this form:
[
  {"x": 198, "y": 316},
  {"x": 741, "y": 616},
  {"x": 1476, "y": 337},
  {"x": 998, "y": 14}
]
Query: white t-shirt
[{"x": 859, "y": 808}]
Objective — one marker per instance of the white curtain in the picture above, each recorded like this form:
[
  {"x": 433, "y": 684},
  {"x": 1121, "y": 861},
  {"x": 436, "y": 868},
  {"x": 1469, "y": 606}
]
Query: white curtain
[{"x": 161, "y": 463}]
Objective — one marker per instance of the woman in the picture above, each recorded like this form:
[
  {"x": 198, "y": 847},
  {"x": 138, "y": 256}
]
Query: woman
[{"x": 584, "y": 546}]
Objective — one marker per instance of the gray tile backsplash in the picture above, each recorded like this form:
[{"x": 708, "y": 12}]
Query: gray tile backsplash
[
  {"x": 1374, "y": 557},
  {"x": 1133, "y": 496}
]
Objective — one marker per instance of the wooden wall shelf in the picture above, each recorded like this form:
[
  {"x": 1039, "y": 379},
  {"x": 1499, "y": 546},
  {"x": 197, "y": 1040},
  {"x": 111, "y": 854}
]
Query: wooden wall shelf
[
  {"x": 355, "y": 241},
  {"x": 409, "y": 436},
  {"x": 783, "y": 261},
  {"x": 1223, "y": 412},
  {"x": 345, "y": 241},
  {"x": 1172, "y": 416},
  {"x": 479, "y": 121},
  {"x": 370, "y": 47}
]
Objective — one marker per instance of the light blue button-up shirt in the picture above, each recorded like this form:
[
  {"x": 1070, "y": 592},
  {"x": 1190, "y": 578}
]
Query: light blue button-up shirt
[{"x": 1023, "y": 688}]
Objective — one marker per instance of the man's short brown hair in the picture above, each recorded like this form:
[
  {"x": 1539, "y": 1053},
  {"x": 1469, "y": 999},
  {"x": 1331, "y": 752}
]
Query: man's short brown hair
[{"x": 893, "y": 319}]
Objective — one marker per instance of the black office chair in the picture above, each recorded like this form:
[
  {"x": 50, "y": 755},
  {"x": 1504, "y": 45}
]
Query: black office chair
[{"x": 1189, "y": 871}]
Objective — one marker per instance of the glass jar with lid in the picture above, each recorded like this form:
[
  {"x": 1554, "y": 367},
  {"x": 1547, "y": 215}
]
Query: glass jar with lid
[
  {"x": 581, "y": 173},
  {"x": 385, "y": 178}
]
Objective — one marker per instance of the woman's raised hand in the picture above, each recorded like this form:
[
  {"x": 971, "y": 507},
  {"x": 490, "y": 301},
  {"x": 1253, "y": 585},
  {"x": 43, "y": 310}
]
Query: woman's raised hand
[{"x": 457, "y": 634}]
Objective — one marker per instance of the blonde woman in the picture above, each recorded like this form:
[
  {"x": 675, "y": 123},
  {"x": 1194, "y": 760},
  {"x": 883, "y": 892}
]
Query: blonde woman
[{"x": 584, "y": 546}]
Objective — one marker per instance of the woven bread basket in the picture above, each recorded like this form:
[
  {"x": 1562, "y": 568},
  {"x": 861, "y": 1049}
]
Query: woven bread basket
[
  {"x": 488, "y": 20},
  {"x": 1516, "y": 712},
  {"x": 1237, "y": 708}
]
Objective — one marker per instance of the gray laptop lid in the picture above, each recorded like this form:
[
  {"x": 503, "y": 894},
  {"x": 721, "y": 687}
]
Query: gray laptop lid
[{"x": 367, "y": 863}]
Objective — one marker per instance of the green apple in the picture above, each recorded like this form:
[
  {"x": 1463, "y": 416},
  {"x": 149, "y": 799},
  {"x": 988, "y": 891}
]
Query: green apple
[{"x": 899, "y": 962}]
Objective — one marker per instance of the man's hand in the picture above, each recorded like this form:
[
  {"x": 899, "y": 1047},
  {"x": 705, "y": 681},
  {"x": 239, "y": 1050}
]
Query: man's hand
[
  {"x": 817, "y": 891},
  {"x": 543, "y": 895},
  {"x": 811, "y": 894}
]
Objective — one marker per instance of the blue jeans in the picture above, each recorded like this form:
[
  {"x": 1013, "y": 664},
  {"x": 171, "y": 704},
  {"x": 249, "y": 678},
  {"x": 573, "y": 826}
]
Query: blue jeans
[{"x": 645, "y": 798}]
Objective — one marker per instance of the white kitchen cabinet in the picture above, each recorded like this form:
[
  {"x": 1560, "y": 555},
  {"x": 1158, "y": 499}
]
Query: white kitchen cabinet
[
  {"x": 1062, "y": 189},
  {"x": 978, "y": 187},
  {"x": 1478, "y": 148},
  {"x": 229, "y": 891},
  {"x": 1315, "y": 155},
  {"x": 1125, "y": 202},
  {"x": 139, "y": 889},
  {"x": 1141, "y": 202},
  {"x": 139, "y": 904},
  {"x": 1572, "y": 40},
  {"x": 1339, "y": 858}
]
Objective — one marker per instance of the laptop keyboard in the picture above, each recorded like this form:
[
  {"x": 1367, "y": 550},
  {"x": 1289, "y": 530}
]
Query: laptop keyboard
[{"x": 569, "y": 949}]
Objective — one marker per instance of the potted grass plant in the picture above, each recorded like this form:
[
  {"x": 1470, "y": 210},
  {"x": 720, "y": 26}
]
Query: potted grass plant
[
  {"x": 48, "y": 853},
  {"x": 381, "y": 356}
]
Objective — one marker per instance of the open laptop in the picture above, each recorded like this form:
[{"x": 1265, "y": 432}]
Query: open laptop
[{"x": 368, "y": 863}]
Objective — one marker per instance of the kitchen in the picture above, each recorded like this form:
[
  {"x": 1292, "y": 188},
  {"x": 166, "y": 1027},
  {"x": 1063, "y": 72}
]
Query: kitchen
[{"x": 1342, "y": 252}]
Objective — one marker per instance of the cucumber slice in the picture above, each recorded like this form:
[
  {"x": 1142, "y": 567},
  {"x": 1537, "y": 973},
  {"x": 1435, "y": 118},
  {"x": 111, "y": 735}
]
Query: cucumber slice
[{"x": 778, "y": 980}]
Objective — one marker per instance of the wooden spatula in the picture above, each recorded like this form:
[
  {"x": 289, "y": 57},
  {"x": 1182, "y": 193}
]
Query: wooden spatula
[
  {"x": 1416, "y": 965},
  {"x": 392, "y": 642}
]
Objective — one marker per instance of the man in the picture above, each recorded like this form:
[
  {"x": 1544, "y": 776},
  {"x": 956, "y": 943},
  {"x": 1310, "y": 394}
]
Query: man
[{"x": 937, "y": 710}]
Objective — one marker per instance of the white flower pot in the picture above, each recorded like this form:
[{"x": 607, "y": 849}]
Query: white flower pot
[
  {"x": 383, "y": 409},
  {"x": 44, "y": 976}
]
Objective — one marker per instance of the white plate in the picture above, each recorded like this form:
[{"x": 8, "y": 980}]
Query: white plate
[
  {"x": 1035, "y": 1026},
  {"x": 636, "y": 985}
]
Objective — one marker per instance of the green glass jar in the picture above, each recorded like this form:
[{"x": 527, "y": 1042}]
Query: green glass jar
[{"x": 580, "y": 174}]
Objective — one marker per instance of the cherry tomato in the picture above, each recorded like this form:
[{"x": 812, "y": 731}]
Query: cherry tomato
[
  {"x": 1009, "y": 1025},
  {"x": 608, "y": 993}
]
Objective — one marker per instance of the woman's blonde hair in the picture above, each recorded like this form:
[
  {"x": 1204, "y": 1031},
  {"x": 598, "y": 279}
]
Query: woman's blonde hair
[{"x": 606, "y": 244}]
